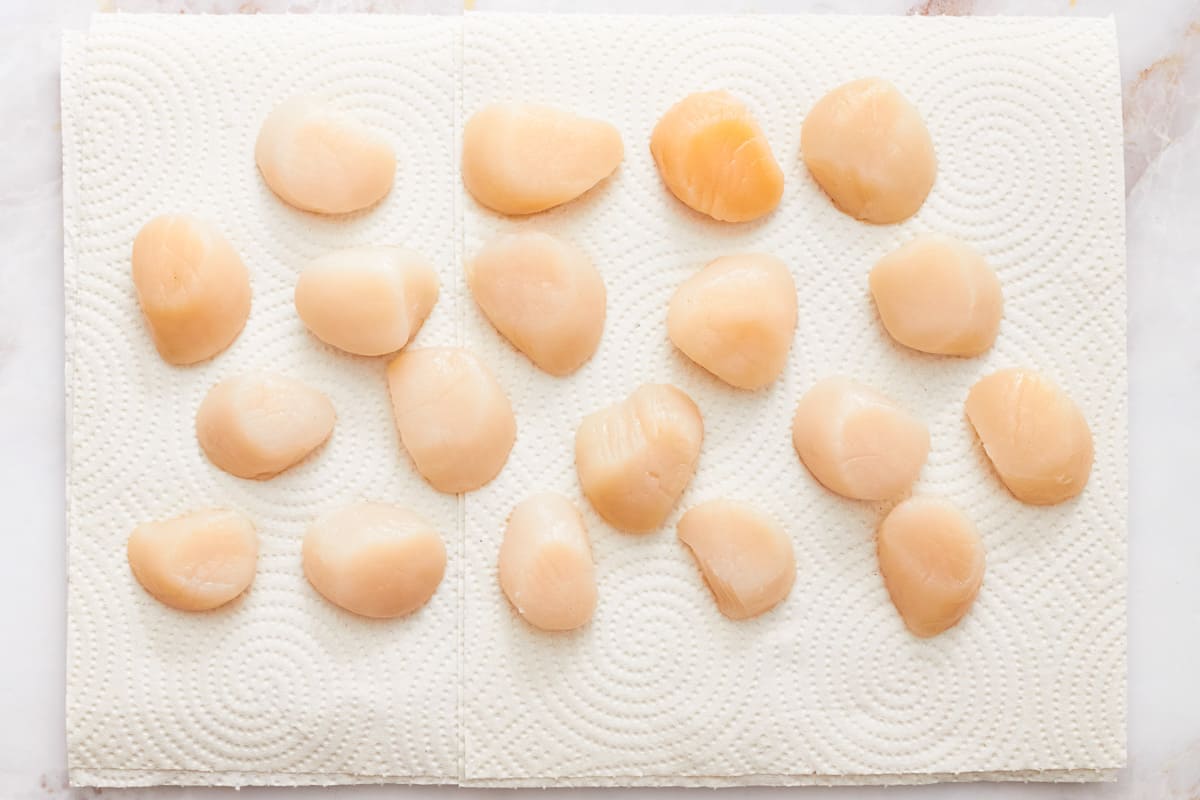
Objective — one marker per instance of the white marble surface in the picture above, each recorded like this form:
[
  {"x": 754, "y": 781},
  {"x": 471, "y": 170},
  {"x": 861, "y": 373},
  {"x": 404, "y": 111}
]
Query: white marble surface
[{"x": 1160, "y": 51}]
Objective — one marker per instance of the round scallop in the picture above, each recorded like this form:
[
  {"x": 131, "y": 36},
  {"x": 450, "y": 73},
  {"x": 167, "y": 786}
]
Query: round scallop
[
  {"x": 932, "y": 560},
  {"x": 713, "y": 156},
  {"x": 454, "y": 418},
  {"x": 635, "y": 458},
  {"x": 192, "y": 287},
  {"x": 857, "y": 442},
  {"x": 374, "y": 559},
  {"x": 546, "y": 568},
  {"x": 260, "y": 424},
  {"x": 937, "y": 295},
  {"x": 368, "y": 301},
  {"x": 317, "y": 158},
  {"x": 869, "y": 150},
  {"x": 543, "y": 295},
  {"x": 1034, "y": 435},
  {"x": 736, "y": 318},
  {"x": 745, "y": 557},
  {"x": 195, "y": 562},
  {"x": 520, "y": 158}
]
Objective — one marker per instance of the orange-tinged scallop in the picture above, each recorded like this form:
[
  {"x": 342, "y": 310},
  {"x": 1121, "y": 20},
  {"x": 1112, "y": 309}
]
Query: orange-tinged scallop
[
  {"x": 736, "y": 318},
  {"x": 1034, "y": 435},
  {"x": 869, "y": 150},
  {"x": 195, "y": 562},
  {"x": 320, "y": 159},
  {"x": 546, "y": 568},
  {"x": 937, "y": 295},
  {"x": 520, "y": 158},
  {"x": 192, "y": 286},
  {"x": 745, "y": 557},
  {"x": 715, "y": 158},
  {"x": 374, "y": 559},
  {"x": 931, "y": 559}
]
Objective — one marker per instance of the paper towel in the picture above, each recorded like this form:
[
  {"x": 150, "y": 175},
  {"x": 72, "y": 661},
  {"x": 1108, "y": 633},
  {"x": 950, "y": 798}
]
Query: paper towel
[{"x": 160, "y": 115}]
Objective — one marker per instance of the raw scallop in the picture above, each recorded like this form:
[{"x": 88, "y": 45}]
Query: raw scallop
[
  {"x": 736, "y": 318},
  {"x": 543, "y": 295},
  {"x": 636, "y": 457},
  {"x": 546, "y": 568},
  {"x": 714, "y": 157},
  {"x": 192, "y": 287}
]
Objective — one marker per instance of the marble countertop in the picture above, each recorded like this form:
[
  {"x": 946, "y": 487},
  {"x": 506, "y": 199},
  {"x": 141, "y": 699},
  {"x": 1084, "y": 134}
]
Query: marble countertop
[{"x": 1160, "y": 66}]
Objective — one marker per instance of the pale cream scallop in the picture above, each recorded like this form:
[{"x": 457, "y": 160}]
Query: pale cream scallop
[
  {"x": 636, "y": 457},
  {"x": 869, "y": 150},
  {"x": 937, "y": 295},
  {"x": 546, "y": 568},
  {"x": 454, "y": 418},
  {"x": 857, "y": 442},
  {"x": 736, "y": 318},
  {"x": 713, "y": 156},
  {"x": 192, "y": 286},
  {"x": 374, "y": 559},
  {"x": 319, "y": 159},
  {"x": 745, "y": 557},
  {"x": 195, "y": 562},
  {"x": 932, "y": 561},
  {"x": 519, "y": 158},
  {"x": 369, "y": 301},
  {"x": 259, "y": 424},
  {"x": 1034, "y": 435},
  {"x": 543, "y": 295}
]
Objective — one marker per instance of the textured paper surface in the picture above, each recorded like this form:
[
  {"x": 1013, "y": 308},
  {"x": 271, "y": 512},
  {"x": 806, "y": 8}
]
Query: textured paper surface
[{"x": 659, "y": 688}]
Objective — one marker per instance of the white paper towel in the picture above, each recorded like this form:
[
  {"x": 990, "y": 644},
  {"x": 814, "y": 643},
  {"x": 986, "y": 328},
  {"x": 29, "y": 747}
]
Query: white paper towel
[{"x": 160, "y": 114}]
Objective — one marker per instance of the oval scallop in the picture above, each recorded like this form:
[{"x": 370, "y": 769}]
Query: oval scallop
[
  {"x": 745, "y": 557},
  {"x": 260, "y": 424},
  {"x": 374, "y": 559},
  {"x": 192, "y": 287},
  {"x": 1034, "y": 435},
  {"x": 736, "y": 318},
  {"x": 543, "y": 295},
  {"x": 857, "y": 442},
  {"x": 713, "y": 156},
  {"x": 368, "y": 301},
  {"x": 932, "y": 561},
  {"x": 195, "y": 562},
  {"x": 519, "y": 158},
  {"x": 546, "y": 568},
  {"x": 636, "y": 457},
  {"x": 454, "y": 419},
  {"x": 317, "y": 158},
  {"x": 937, "y": 295},
  {"x": 869, "y": 150}
]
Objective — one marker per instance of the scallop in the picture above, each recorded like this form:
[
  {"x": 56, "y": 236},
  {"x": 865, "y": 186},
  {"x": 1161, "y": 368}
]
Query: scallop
[
  {"x": 714, "y": 157},
  {"x": 260, "y": 424},
  {"x": 636, "y": 457},
  {"x": 937, "y": 295},
  {"x": 745, "y": 557},
  {"x": 1034, "y": 435},
  {"x": 869, "y": 150},
  {"x": 195, "y": 562},
  {"x": 543, "y": 295},
  {"x": 857, "y": 442},
  {"x": 736, "y": 318},
  {"x": 317, "y": 158},
  {"x": 519, "y": 158},
  {"x": 374, "y": 559},
  {"x": 931, "y": 559},
  {"x": 546, "y": 568},
  {"x": 454, "y": 419},
  {"x": 368, "y": 301},
  {"x": 192, "y": 286}
]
